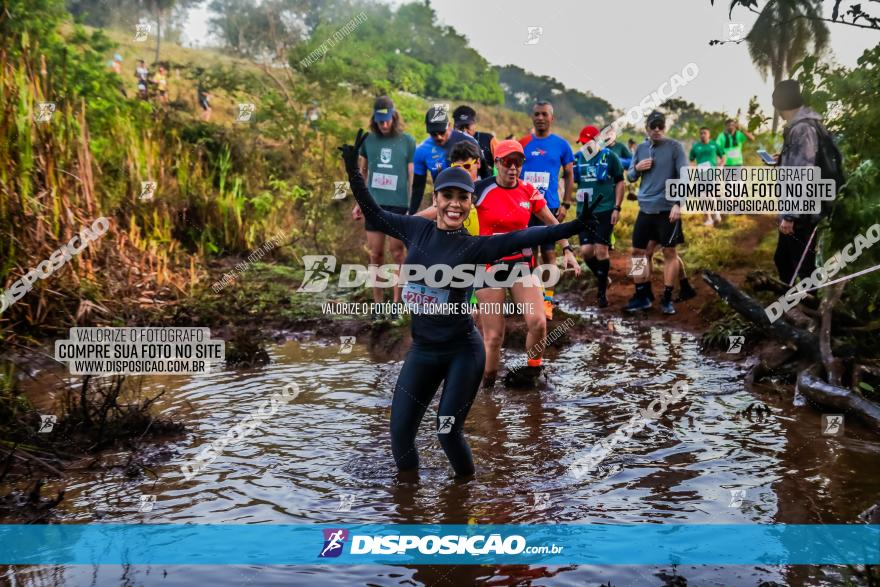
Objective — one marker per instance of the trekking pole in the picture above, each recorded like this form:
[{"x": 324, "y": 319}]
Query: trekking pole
[{"x": 803, "y": 256}]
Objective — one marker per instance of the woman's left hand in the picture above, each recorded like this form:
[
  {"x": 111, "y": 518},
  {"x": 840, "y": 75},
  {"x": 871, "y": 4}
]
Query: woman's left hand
[{"x": 350, "y": 153}]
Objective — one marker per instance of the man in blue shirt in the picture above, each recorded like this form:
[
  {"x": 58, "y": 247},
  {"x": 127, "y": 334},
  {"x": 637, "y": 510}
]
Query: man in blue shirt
[
  {"x": 433, "y": 154},
  {"x": 546, "y": 155}
]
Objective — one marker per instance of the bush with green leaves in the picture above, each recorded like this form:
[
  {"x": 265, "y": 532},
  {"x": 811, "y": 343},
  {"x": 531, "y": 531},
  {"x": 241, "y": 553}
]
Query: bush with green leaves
[{"x": 851, "y": 94}]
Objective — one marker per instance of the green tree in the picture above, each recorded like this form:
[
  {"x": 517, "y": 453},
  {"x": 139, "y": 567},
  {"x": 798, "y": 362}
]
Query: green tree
[
  {"x": 857, "y": 206},
  {"x": 782, "y": 36}
]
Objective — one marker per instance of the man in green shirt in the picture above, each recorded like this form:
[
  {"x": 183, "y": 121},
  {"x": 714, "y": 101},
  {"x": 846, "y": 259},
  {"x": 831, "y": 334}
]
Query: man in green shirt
[
  {"x": 619, "y": 149},
  {"x": 598, "y": 173},
  {"x": 732, "y": 141},
  {"x": 386, "y": 161},
  {"x": 706, "y": 153}
]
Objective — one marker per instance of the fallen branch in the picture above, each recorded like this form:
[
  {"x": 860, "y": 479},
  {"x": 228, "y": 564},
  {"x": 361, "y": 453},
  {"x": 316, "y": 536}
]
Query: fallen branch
[
  {"x": 28, "y": 457},
  {"x": 750, "y": 309},
  {"x": 837, "y": 398}
]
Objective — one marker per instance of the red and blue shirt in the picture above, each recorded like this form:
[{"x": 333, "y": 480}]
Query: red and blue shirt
[
  {"x": 501, "y": 210},
  {"x": 544, "y": 159}
]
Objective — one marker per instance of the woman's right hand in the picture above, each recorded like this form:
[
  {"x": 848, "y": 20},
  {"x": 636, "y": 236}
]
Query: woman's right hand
[{"x": 356, "y": 213}]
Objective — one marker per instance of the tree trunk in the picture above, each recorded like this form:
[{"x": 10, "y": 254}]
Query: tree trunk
[
  {"x": 158, "y": 31},
  {"x": 777, "y": 77},
  {"x": 833, "y": 366},
  {"x": 754, "y": 312}
]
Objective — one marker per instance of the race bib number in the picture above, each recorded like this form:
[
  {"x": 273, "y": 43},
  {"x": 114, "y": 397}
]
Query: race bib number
[
  {"x": 584, "y": 194},
  {"x": 735, "y": 153},
  {"x": 704, "y": 165},
  {"x": 539, "y": 179},
  {"x": 422, "y": 294},
  {"x": 384, "y": 181}
]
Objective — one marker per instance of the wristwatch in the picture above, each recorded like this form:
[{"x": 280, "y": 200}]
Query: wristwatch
[
  {"x": 568, "y": 248},
  {"x": 617, "y": 208},
  {"x": 566, "y": 205}
]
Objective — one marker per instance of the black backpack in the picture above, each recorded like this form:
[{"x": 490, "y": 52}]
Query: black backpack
[{"x": 829, "y": 160}]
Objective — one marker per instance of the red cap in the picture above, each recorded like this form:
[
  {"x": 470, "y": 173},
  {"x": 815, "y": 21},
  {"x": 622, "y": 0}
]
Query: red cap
[
  {"x": 505, "y": 148},
  {"x": 588, "y": 133}
]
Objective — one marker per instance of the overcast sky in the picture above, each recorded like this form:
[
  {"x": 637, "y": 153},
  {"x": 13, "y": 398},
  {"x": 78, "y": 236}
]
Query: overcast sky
[{"x": 620, "y": 50}]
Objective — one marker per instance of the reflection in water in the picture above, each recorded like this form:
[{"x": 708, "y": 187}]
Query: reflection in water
[{"x": 326, "y": 458}]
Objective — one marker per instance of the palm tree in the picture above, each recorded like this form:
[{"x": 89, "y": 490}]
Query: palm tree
[{"x": 782, "y": 35}]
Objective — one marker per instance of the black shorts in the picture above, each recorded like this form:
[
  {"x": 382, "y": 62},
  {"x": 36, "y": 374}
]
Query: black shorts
[
  {"x": 203, "y": 102},
  {"x": 657, "y": 227},
  {"x": 535, "y": 221},
  {"x": 598, "y": 230},
  {"x": 501, "y": 270},
  {"x": 394, "y": 209}
]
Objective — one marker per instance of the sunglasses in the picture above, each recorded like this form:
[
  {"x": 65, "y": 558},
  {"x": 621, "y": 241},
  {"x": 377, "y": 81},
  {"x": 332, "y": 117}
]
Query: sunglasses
[
  {"x": 517, "y": 162},
  {"x": 657, "y": 126},
  {"x": 437, "y": 134},
  {"x": 466, "y": 164}
]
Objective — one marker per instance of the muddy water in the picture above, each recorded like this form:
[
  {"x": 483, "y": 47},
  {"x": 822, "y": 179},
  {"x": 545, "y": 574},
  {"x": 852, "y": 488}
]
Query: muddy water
[{"x": 325, "y": 458}]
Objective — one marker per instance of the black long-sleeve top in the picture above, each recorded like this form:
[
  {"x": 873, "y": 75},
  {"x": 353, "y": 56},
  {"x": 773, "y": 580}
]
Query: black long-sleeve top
[{"x": 427, "y": 245}]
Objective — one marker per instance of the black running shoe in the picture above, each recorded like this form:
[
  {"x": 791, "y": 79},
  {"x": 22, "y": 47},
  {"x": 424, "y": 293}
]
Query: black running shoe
[
  {"x": 686, "y": 293},
  {"x": 523, "y": 377}
]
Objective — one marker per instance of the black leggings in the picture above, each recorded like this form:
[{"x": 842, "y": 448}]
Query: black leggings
[
  {"x": 789, "y": 249},
  {"x": 459, "y": 365}
]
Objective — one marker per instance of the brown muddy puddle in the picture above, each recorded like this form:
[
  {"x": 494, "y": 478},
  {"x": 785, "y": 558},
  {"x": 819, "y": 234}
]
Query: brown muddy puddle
[{"x": 325, "y": 458}]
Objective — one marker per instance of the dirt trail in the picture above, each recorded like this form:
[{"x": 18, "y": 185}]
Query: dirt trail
[{"x": 687, "y": 316}]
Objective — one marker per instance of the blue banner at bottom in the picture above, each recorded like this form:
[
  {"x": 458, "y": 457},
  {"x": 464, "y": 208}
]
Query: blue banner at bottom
[{"x": 563, "y": 544}]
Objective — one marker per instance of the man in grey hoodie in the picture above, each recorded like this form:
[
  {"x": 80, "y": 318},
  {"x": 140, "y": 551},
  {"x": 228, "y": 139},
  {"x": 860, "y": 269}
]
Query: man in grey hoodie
[
  {"x": 656, "y": 160},
  {"x": 800, "y": 146}
]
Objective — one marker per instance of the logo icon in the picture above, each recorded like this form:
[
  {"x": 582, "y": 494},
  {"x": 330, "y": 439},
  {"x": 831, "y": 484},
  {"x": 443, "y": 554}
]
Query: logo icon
[
  {"x": 832, "y": 424},
  {"x": 147, "y": 503},
  {"x": 440, "y": 111},
  {"x": 346, "y": 500},
  {"x": 446, "y": 423},
  {"x": 334, "y": 538},
  {"x": 638, "y": 267},
  {"x": 141, "y": 31},
  {"x": 47, "y": 423},
  {"x": 735, "y": 344},
  {"x": 736, "y": 31},
  {"x": 45, "y": 110},
  {"x": 833, "y": 110},
  {"x": 385, "y": 155},
  {"x": 318, "y": 270},
  {"x": 148, "y": 189},
  {"x": 339, "y": 190},
  {"x": 346, "y": 343},
  {"x": 535, "y": 33},
  {"x": 244, "y": 112},
  {"x": 736, "y": 498},
  {"x": 541, "y": 501}
]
